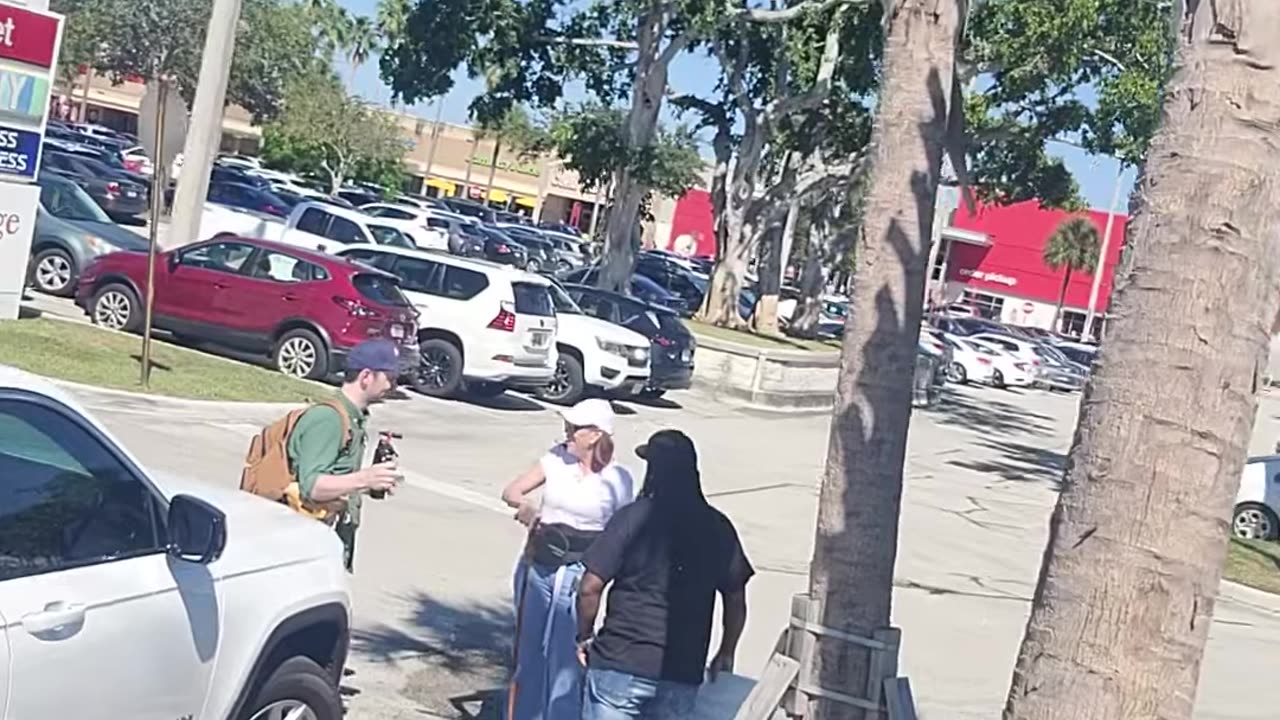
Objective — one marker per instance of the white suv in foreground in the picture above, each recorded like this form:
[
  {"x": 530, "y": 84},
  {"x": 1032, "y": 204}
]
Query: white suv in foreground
[
  {"x": 127, "y": 595},
  {"x": 482, "y": 326},
  {"x": 594, "y": 355}
]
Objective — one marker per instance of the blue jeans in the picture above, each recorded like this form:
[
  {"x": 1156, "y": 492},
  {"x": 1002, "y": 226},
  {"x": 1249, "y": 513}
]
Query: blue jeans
[
  {"x": 613, "y": 695},
  {"x": 548, "y": 676}
]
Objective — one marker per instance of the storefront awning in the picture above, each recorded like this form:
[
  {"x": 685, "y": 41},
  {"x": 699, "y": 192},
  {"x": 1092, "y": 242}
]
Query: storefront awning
[
  {"x": 496, "y": 195},
  {"x": 526, "y": 202},
  {"x": 439, "y": 184}
]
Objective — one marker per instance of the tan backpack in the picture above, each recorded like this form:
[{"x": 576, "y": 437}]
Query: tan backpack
[{"x": 267, "y": 472}]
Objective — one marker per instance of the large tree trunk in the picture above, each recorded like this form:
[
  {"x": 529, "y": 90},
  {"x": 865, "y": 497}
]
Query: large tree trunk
[
  {"x": 857, "y": 530},
  {"x": 1139, "y": 536},
  {"x": 764, "y": 319},
  {"x": 623, "y": 231}
]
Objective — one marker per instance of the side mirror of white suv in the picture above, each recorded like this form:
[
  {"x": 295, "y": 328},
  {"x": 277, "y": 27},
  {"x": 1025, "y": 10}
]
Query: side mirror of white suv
[{"x": 197, "y": 530}]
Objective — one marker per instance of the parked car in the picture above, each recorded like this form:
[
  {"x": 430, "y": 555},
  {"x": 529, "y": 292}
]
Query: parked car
[
  {"x": 358, "y": 197},
  {"x": 238, "y": 175},
  {"x": 484, "y": 327},
  {"x": 560, "y": 227},
  {"x": 249, "y": 198},
  {"x": 639, "y": 286},
  {"x": 674, "y": 277},
  {"x": 471, "y": 209},
  {"x": 413, "y": 221},
  {"x": 594, "y": 355},
  {"x": 311, "y": 225},
  {"x": 671, "y": 345},
  {"x": 71, "y": 230},
  {"x": 304, "y": 309},
  {"x": 154, "y": 595},
  {"x": 970, "y": 361},
  {"x": 1257, "y": 510},
  {"x": 568, "y": 251},
  {"x": 135, "y": 158},
  {"x": 543, "y": 256},
  {"x": 1021, "y": 348},
  {"x": 1010, "y": 370},
  {"x": 1058, "y": 372},
  {"x": 119, "y": 198},
  {"x": 500, "y": 248}
]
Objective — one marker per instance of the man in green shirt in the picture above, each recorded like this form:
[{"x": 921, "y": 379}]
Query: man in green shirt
[{"x": 327, "y": 464}]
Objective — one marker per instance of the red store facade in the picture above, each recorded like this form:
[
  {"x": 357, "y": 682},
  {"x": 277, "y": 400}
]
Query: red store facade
[{"x": 993, "y": 260}]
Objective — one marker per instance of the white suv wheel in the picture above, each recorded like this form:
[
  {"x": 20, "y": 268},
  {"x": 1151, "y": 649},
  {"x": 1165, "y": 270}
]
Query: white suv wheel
[{"x": 285, "y": 710}]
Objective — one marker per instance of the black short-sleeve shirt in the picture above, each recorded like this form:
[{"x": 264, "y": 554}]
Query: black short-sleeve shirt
[{"x": 661, "y": 604}]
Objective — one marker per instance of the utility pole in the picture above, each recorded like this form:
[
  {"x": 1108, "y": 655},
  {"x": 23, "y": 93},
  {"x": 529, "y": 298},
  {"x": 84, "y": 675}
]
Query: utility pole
[
  {"x": 435, "y": 137},
  {"x": 206, "y": 123},
  {"x": 1100, "y": 265}
]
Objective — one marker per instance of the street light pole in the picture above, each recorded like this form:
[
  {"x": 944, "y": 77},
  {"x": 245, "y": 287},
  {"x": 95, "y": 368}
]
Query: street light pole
[
  {"x": 205, "y": 134},
  {"x": 1100, "y": 265}
]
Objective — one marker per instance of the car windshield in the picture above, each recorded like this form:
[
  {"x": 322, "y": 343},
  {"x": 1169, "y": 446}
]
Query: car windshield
[
  {"x": 67, "y": 201},
  {"x": 380, "y": 289},
  {"x": 384, "y": 235},
  {"x": 563, "y": 303}
]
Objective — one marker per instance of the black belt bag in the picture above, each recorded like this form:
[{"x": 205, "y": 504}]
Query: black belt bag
[{"x": 556, "y": 545}]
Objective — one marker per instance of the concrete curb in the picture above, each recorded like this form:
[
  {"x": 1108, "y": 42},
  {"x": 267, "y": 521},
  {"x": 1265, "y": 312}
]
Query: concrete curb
[
  {"x": 1252, "y": 598},
  {"x": 173, "y": 402}
]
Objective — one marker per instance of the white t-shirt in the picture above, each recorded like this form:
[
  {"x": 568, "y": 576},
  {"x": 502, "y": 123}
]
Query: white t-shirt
[{"x": 584, "y": 501}]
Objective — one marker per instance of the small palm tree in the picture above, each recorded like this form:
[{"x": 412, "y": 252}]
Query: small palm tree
[
  {"x": 1073, "y": 247},
  {"x": 393, "y": 19},
  {"x": 361, "y": 42}
]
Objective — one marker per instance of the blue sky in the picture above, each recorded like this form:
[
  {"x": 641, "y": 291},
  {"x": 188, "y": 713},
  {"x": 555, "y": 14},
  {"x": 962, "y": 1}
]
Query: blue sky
[{"x": 697, "y": 74}]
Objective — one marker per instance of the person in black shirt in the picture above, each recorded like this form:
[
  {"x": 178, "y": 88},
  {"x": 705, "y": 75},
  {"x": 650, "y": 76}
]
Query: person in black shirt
[{"x": 667, "y": 555}]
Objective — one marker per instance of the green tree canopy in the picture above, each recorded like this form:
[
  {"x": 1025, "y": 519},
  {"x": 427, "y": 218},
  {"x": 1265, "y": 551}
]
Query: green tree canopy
[
  {"x": 1086, "y": 71},
  {"x": 327, "y": 133},
  {"x": 165, "y": 38},
  {"x": 590, "y": 140}
]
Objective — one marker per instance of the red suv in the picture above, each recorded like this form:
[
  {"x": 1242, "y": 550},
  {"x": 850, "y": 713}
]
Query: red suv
[{"x": 306, "y": 309}]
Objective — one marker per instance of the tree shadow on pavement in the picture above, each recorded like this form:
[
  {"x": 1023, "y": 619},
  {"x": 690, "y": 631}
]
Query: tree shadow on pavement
[
  {"x": 989, "y": 413},
  {"x": 457, "y": 656},
  {"x": 1017, "y": 462}
]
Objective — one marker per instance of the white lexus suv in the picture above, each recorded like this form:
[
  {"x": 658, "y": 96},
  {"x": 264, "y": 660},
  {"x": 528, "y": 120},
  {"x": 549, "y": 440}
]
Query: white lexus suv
[
  {"x": 125, "y": 594},
  {"x": 482, "y": 327}
]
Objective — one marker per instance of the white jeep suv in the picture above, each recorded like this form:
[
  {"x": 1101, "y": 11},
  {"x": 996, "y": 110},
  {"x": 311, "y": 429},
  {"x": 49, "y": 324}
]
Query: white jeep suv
[
  {"x": 483, "y": 327},
  {"x": 594, "y": 354},
  {"x": 124, "y": 594}
]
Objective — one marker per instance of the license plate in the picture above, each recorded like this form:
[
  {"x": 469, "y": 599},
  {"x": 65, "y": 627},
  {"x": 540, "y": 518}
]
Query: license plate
[
  {"x": 397, "y": 331},
  {"x": 130, "y": 193},
  {"x": 540, "y": 338}
]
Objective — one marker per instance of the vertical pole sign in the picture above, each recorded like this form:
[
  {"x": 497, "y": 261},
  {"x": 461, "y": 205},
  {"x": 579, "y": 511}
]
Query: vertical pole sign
[{"x": 29, "y": 44}]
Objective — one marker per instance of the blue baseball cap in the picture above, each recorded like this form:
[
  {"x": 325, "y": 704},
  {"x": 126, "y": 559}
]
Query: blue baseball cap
[{"x": 377, "y": 355}]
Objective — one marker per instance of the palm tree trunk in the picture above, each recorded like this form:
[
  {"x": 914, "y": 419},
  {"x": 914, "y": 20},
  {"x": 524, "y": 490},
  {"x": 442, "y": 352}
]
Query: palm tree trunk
[
  {"x": 493, "y": 169},
  {"x": 1062, "y": 300},
  {"x": 1138, "y": 539},
  {"x": 857, "y": 531}
]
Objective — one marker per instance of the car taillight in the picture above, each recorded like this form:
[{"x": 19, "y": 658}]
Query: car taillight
[
  {"x": 502, "y": 249},
  {"x": 273, "y": 210},
  {"x": 984, "y": 361},
  {"x": 663, "y": 341},
  {"x": 113, "y": 188},
  {"x": 355, "y": 308},
  {"x": 505, "y": 320}
]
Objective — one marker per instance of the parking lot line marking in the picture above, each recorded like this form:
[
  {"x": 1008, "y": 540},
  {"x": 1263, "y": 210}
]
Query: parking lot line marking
[{"x": 457, "y": 492}]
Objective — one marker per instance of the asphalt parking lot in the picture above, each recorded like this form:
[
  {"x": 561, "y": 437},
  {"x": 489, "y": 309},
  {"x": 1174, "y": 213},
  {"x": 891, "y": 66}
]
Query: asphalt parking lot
[{"x": 434, "y": 566}]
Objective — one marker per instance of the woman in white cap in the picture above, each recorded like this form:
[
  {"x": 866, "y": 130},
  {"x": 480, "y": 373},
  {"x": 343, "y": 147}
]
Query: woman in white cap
[{"x": 581, "y": 489}]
